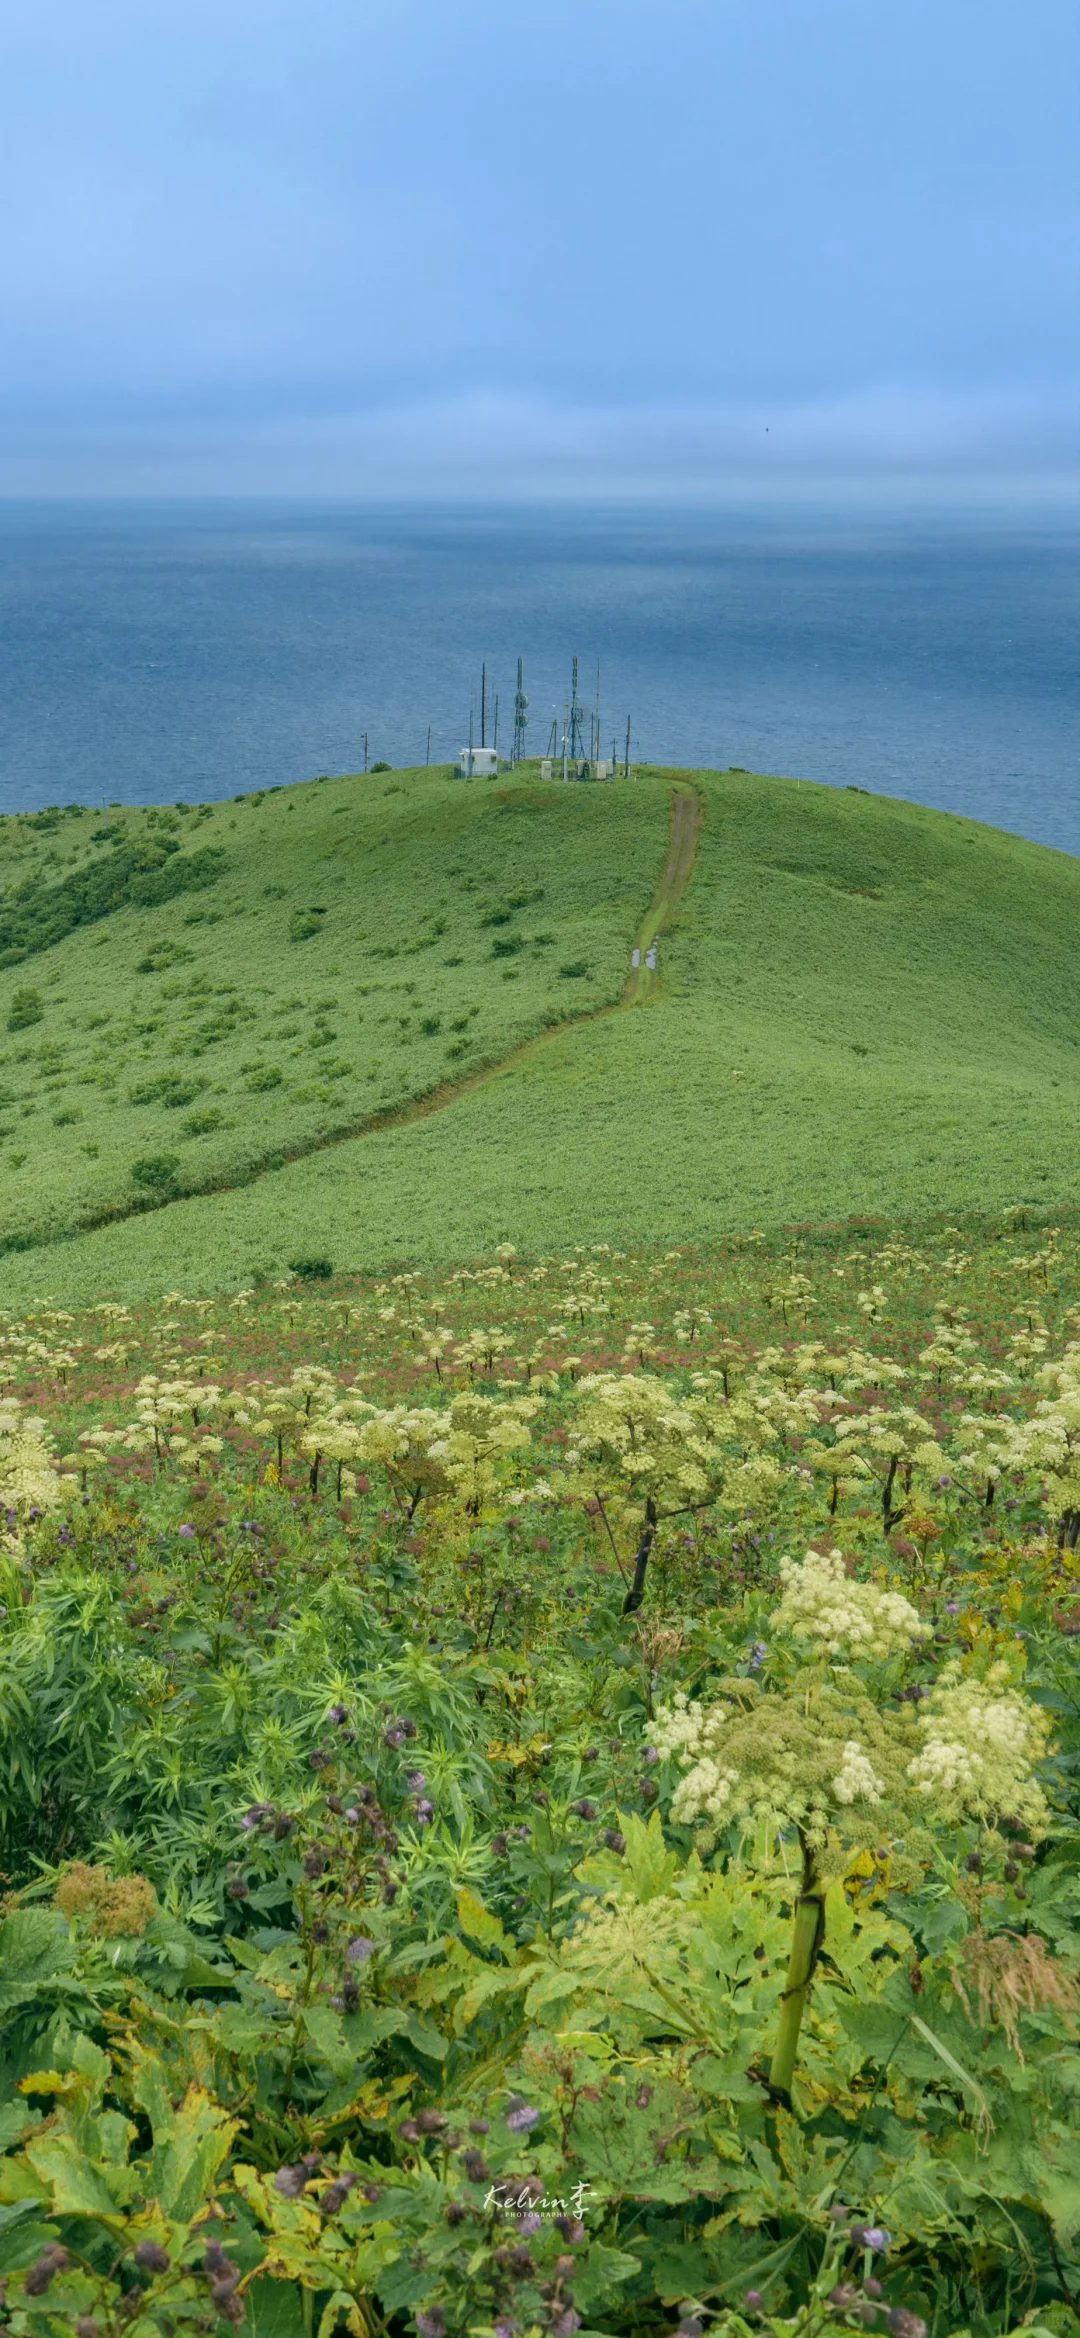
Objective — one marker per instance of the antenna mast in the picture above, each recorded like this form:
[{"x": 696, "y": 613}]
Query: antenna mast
[
  {"x": 575, "y": 742},
  {"x": 521, "y": 718},
  {"x": 483, "y": 706}
]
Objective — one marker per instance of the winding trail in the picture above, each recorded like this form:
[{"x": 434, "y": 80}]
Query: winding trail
[
  {"x": 643, "y": 984},
  {"x": 686, "y": 816}
]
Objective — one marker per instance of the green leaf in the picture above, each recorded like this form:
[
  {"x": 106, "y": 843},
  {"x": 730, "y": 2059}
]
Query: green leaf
[
  {"x": 479, "y": 1924},
  {"x": 15, "y": 2118},
  {"x": 324, "y": 2027},
  {"x": 602, "y": 2269},
  {"x": 957, "y": 2069},
  {"x": 275, "y": 2309},
  {"x": 652, "y": 1866},
  {"x": 365, "y": 2030},
  {"x": 183, "y": 2168},
  {"x": 426, "y": 2038},
  {"x": 75, "y": 2186},
  {"x": 21, "y": 2245},
  {"x": 35, "y": 1947}
]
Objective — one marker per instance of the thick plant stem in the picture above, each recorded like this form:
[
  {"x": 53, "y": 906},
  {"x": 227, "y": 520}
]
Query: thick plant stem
[
  {"x": 806, "y": 1945},
  {"x": 636, "y": 1593}
]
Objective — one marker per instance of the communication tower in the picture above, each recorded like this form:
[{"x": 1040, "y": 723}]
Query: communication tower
[
  {"x": 575, "y": 743},
  {"x": 521, "y": 718}
]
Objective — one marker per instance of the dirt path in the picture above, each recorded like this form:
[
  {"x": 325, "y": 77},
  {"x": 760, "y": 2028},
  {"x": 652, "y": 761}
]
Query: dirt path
[
  {"x": 642, "y": 985},
  {"x": 686, "y": 812},
  {"x": 642, "y": 982}
]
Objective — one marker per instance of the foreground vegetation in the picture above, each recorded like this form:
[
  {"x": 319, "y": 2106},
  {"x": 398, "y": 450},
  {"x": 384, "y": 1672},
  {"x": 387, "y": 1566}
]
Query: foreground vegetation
[
  {"x": 863, "y": 1006},
  {"x": 545, "y": 1800}
]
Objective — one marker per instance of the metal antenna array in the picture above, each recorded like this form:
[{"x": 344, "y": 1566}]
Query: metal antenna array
[
  {"x": 521, "y": 718},
  {"x": 575, "y": 744}
]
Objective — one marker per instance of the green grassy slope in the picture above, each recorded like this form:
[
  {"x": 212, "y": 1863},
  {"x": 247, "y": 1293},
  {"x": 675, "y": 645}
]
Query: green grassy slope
[
  {"x": 864, "y": 1006},
  {"x": 345, "y": 945}
]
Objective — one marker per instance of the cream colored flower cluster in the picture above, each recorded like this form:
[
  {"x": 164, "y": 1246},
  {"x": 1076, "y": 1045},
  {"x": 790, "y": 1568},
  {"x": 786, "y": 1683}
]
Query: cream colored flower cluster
[
  {"x": 841, "y": 1618},
  {"x": 28, "y": 1479},
  {"x": 981, "y": 1741},
  {"x": 688, "y": 1730},
  {"x": 766, "y": 1762},
  {"x": 856, "y": 1779}
]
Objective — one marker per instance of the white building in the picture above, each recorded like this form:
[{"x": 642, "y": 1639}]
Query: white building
[{"x": 477, "y": 763}]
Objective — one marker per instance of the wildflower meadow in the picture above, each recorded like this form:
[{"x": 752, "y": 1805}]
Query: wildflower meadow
[{"x": 543, "y": 1798}]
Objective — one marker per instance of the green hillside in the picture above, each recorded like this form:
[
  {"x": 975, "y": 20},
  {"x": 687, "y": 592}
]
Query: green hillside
[
  {"x": 188, "y": 997},
  {"x": 862, "y": 1006}
]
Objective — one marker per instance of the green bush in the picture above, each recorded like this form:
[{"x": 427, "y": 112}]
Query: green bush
[
  {"x": 170, "y": 1089},
  {"x": 26, "y": 1008},
  {"x": 312, "y": 1270},
  {"x": 575, "y": 971},
  {"x": 305, "y": 923},
  {"x": 162, "y": 954},
  {"x": 156, "y": 1171},
  {"x": 35, "y": 915},
  {"x": 201, "y": 1124},
  {"x": 262, "y": 1077}
]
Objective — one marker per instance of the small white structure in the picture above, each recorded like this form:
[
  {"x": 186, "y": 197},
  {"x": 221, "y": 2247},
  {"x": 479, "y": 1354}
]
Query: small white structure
[
  {"x": 545, "y": 767},
  {"x": 477, "y": 763}
]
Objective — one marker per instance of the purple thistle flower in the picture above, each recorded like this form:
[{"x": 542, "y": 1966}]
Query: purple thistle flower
[
  {"x": 520, "y": 2115},
  {"x": 874, "y": 2237},
  {"x": 359, "y": 1950},
  {"x": 189, "y": 1532},
  {"x": 425, "y": 1812},
  {"x": 415, "y": 1781},
  {"x": 431, "y": 2323},
  {"x": 530, "y": 2222}
]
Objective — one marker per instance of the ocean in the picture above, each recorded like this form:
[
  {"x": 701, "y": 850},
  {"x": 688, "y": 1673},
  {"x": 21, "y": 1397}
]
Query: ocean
[{"x": 150, "y": 653}]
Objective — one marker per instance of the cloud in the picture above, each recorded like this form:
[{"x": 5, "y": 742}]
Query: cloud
[{"x": 484, "y": 442}]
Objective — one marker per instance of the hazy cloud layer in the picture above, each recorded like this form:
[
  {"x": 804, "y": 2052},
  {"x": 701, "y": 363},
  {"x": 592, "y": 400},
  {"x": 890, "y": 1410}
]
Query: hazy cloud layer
[{"x": 380, "y": 245}]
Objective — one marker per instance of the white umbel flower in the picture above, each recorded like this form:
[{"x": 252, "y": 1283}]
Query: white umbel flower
[
  {"x": 856, "y": 1780},
  {"x": 843, "y": 1619}
]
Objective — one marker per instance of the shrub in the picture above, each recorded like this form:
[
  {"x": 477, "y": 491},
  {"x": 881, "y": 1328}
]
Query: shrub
[
  {"x": 263, "y": 1076},
  {"x": 133, "y": 875},
  {"x": 507, "y": 946},
  {"x": 430, "y": 1024},
  {"x": 382, "y": 766},
  {"x": 200, "y": 1124},
  {"x": 156, "y": 1171},
  {"x": 575, "y": 971},
  {"x": 312, "y": 1270},
  {"x": 160, "y": 955},
  {"x": 170, "y": 1089},
  {"x": 26, "y": 1008},
  {"x": 304, "y": 923}
]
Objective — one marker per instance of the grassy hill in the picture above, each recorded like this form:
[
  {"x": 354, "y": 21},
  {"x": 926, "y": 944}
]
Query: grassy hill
[{"x": 862, "y": 1007}]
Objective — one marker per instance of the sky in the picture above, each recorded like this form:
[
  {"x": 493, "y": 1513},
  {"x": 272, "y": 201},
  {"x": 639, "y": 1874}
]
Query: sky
[{"x": 362, "y": 247}]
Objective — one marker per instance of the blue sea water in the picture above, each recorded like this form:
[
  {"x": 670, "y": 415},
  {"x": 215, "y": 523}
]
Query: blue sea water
[{"x": 149, "y": 653}]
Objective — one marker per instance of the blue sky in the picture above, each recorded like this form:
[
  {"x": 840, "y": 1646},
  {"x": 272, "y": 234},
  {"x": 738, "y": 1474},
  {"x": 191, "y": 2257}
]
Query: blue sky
[{"x": 350, "y": 246}]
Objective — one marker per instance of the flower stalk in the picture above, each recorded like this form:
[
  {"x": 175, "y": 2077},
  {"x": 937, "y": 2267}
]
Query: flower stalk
[{"x": 807, "y": 1941}]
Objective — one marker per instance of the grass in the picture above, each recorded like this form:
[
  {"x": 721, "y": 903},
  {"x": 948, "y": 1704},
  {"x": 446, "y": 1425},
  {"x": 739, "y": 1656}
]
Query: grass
[
  {"x": 863, "y": 1007},
  {"x": 351, "y": 943}
]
